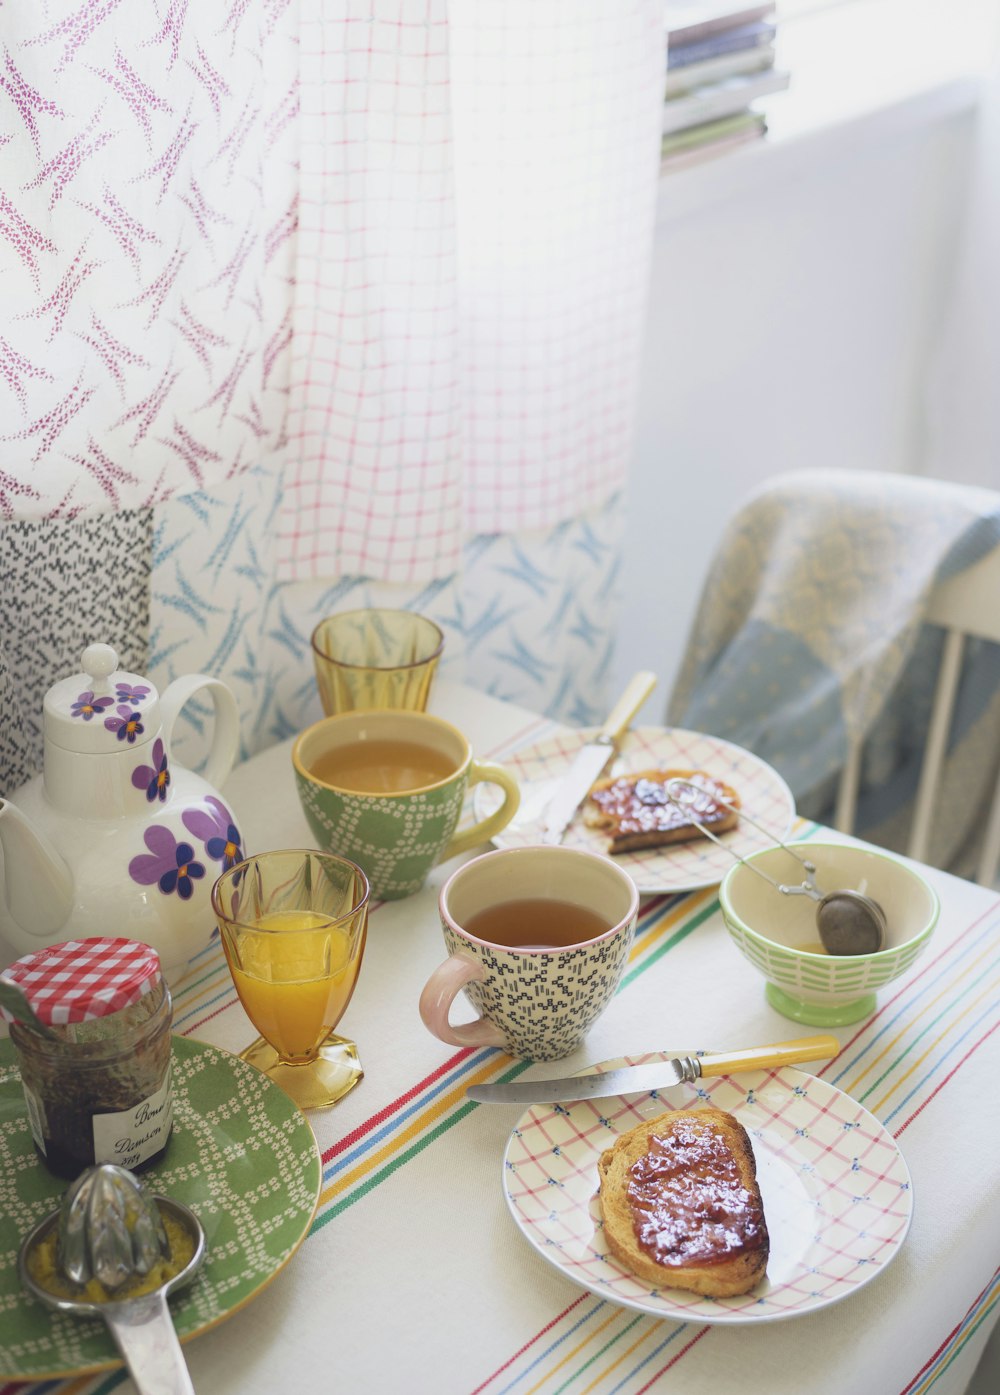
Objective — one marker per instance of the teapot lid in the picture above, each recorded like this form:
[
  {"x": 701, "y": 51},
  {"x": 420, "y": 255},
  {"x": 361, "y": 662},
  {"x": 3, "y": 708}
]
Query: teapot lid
[{"x": 102, "y": 709}]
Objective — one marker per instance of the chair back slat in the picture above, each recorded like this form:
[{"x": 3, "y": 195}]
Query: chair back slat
[
  {"x": 989, "y": 853},
  {"x": 970, "y": 603},
  {"x": 937, "y": 743},
  {"x": 847, "y": 789}
]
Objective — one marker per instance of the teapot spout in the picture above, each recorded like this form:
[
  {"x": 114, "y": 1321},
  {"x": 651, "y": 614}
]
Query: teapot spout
[{"x": 37, "y": 883}]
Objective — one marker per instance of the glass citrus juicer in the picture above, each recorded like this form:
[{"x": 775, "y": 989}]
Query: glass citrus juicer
[{"x": 293, "y": 927}]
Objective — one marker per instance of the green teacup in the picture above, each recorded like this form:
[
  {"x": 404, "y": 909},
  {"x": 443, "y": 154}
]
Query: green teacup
[{"x": 386, "y": 790}]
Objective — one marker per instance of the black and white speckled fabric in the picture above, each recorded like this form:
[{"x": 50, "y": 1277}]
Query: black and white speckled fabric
[
  {"x": 64, "y": 584},
  {"x": 544, "y": 1004}
]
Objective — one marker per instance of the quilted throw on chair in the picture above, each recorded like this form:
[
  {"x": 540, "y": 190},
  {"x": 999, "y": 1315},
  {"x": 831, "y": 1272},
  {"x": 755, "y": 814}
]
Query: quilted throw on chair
[{"x": 809, "y": 635}]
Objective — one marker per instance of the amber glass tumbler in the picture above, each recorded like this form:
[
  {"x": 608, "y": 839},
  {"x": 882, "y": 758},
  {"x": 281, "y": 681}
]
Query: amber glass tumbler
[{"x": 373, "y": 659}]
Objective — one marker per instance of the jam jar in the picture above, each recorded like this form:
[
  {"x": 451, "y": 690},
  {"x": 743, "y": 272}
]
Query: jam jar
[{"x": 98, "y": 1085}]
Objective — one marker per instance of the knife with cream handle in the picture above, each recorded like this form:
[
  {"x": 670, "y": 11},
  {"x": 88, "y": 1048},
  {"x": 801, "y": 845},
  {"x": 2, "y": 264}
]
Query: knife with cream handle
[
  {"x": 591, "y": 759},
  {"x": 656, "y": 1075}
]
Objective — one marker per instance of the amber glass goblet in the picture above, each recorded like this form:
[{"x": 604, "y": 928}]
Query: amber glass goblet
[{"x": 293, "y": 927}]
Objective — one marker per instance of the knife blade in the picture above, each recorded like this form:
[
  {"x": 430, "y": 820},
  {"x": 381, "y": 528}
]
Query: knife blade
[
  {"x": 591, "y": 759},
  {"x": 655, "y": 1075}
]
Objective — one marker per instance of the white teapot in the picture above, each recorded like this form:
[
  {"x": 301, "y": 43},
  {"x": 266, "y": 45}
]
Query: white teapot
[{"x": 114, "y": 837}]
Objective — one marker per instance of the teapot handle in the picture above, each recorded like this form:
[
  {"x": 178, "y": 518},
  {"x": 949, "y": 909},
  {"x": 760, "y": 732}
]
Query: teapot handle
[{"x": 226, "y": 736}]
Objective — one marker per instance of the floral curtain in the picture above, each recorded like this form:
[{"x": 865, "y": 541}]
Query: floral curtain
[
  {"x": 147, "y": 205},
  {"x": 320, "y": 300}
]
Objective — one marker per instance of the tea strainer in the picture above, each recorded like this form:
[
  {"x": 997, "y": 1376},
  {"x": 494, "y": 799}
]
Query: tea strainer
[{"x": 849, "y": 922}]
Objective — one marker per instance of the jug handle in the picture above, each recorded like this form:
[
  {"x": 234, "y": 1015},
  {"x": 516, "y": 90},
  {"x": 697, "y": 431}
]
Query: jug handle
[{"x": 226, "y": 736}]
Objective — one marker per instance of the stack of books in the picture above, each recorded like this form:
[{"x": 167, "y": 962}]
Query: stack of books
[{"x": 720, "y": 59}]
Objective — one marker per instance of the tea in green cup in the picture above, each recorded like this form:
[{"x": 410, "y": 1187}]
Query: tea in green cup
[{"x": 386, "y": 790}]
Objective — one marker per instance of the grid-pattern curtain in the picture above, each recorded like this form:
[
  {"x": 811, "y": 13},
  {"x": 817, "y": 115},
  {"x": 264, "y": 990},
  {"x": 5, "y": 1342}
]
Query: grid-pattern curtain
[
  {"x": 382, "y": 261},
  {"x": 475, "y": 223},
  {"x": 402, "y": 243}
]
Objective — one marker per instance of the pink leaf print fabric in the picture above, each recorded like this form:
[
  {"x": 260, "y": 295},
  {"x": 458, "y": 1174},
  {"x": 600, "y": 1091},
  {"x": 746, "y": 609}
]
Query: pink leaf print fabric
[
  {"x": 398, "y": 246},
  {"x": 145, "y": 152}
]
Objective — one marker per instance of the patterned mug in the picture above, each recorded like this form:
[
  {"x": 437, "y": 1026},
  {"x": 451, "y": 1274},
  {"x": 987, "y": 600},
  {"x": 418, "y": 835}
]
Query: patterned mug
[
  {"x": 535, "y": 999},
  {"x": 385, "y": 789}
]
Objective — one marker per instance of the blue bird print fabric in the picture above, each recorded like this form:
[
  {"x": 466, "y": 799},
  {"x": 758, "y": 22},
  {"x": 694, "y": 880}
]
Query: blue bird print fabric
[{"x": 528, "y": 617}]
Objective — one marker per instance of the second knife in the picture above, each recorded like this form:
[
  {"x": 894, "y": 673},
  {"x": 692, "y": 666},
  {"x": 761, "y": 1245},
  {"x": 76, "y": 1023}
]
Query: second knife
[{"x": 591, "y": 759}]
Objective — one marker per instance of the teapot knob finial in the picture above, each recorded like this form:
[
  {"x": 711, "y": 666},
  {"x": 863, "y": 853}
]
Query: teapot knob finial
[{"x": 99, "y": 660}]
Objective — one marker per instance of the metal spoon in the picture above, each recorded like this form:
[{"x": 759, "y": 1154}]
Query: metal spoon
[
  {"x": 12, "y": 998},
  {"x": 142, "y": 1327},
  {"x": 848, "y": 921}
]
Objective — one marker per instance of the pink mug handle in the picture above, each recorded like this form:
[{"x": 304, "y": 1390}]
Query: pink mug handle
[{"x": 440, "y": 992}]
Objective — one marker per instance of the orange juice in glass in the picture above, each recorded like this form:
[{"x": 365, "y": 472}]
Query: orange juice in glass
[{"x": 293, "y": 927}]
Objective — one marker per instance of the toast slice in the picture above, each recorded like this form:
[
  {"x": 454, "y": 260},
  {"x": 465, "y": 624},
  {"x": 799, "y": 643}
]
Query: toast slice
[
  {"x": 681, "y": 1204},
  {"x": 636, "y": 811}
]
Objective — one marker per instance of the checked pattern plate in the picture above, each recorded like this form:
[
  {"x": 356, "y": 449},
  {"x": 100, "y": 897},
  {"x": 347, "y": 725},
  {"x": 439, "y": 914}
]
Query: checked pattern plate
[
  {"x": 836, "y": 1191},
  {"x": 763, "y": 794}
]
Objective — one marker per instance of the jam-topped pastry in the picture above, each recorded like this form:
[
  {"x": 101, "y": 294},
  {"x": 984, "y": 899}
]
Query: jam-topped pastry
[
  {"x": 636, "y": 811},
  {"x": 681, "y": 1203}
]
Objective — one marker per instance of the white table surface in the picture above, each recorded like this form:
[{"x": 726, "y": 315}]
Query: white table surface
[{"x": 415, "y": 1278}]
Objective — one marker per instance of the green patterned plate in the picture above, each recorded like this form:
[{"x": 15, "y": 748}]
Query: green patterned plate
[{"x": 241, "y": 1156}]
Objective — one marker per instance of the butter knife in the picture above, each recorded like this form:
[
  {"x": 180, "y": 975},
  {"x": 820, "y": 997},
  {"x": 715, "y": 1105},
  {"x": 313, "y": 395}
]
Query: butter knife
[
  {"x": 591, "y": 759},
  {"x": 656, "y": 1075}
]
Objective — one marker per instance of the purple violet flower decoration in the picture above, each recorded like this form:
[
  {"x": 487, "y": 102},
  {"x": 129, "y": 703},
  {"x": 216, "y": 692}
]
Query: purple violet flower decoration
[
  {"x": 171, "y": 865},
  {"x": 154, "y": 778},
  {"x": 126, "y": 725},
  {"x": 217, "y": 831},
  {"x": 86, "y": 705},
  {"x": 125, "y": 692}
]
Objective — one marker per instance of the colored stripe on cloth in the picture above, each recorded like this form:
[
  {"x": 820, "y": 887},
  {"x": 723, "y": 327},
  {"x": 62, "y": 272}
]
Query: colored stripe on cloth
[
  {"x": 376, "y": 1149},
  {"x": 435, "y": 1104},
  {"x": 438, "y": 1102},
  {"x": 623, "y": 1352},
  {"x": 895, "y": 1064},
  {"x": 982, "y": 1310}
]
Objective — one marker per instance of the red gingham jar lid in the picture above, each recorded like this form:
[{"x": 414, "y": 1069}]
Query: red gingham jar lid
[{"x": 83, "y": 979}]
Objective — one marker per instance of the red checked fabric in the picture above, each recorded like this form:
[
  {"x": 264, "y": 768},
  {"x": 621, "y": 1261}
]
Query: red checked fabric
[
  {"x": 83, "y": 979},
  {"x": 476, "y": 211},
  {"x": 401, "y": 245}
]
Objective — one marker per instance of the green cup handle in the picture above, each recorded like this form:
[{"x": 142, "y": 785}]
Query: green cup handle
[{"x": 485, "y": 772}]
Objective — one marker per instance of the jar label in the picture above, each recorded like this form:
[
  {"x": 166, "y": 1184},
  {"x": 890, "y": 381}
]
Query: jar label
[
  {"x": 36, "y": 1117},
  {"x": 130, "y": 1137}
]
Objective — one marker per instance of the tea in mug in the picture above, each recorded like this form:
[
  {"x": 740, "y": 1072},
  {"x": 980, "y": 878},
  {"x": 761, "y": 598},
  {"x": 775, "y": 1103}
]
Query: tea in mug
[
  {"x": 382, "y": 767},
  {"x": 538, "y": 922}
]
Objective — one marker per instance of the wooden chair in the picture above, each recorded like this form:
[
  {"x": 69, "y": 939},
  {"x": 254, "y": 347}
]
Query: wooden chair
[{"x": 967, "y": 605}]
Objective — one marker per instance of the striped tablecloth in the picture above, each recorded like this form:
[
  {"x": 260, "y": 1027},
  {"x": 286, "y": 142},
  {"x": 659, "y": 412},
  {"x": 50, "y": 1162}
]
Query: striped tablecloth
[{"x": 415, "y": 1279}]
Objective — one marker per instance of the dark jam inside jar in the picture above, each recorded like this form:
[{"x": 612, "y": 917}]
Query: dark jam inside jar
[{"x": 100, "y": 1091}]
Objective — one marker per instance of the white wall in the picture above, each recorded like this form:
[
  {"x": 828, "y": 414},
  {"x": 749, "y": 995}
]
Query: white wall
[{"x": 795, "y": 298}]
